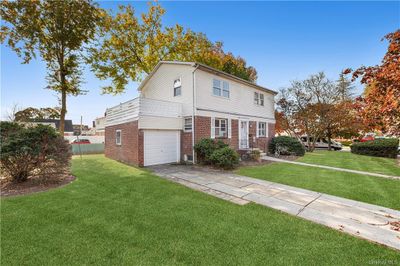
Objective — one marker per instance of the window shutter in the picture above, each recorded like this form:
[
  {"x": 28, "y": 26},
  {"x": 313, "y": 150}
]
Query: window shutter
[
  {"x": 229, "y": 128},
  {"x": 212, "y": 127},
  {"x": 257, "y": 130},
  {"x": 266, "y": 129}
]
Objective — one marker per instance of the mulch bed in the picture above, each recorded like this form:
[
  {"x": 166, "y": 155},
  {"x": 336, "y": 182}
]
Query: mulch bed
[{"x": 33, "y": 184}]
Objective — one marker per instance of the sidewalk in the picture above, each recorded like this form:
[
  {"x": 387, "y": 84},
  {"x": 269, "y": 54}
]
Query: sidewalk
[
  {"x": 273, "y": 159},
  {"x": 371, "y": 222}
]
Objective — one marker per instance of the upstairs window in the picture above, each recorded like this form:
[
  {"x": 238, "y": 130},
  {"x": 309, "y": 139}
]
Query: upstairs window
[
  {"x": 221, "y": 88},
  {"x": 177, "y": 87},
  {"x": 118, "y": 137},
  {"x": 188, "y": 124},
  {"x": 258, "y": 99}
]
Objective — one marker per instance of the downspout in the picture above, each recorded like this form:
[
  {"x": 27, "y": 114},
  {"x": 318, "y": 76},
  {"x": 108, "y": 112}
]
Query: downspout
[{"x": 193, "y": 111}]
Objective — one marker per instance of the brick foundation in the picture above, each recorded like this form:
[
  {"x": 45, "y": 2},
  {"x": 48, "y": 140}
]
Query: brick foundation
[
  {"x": 203, "y": 130},
  {"x": 131, "y": 149}
]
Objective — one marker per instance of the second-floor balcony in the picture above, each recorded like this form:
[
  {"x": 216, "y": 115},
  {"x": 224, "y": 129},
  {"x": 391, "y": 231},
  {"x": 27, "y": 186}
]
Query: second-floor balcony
[{"x": 138, "y": 107}]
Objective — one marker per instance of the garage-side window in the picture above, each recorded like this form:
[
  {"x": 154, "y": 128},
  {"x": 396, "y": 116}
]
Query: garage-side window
[
  {"x": 188, "y": 124},
  {"x": 118, "y": 137}
]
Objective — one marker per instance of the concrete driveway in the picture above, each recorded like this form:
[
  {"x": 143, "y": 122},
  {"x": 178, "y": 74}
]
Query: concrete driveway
[{"x": 371, "y": 222}]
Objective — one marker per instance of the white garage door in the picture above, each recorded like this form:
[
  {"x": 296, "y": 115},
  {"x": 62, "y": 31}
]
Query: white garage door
[{"x": 161, "y": 146}]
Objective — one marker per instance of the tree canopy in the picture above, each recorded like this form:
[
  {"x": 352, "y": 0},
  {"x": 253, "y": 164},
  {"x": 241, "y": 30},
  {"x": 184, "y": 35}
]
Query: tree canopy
[
  {"x": 58, "y": 31},
  {"x": 379, "y": 106},
  {"x": 129, "y": 47},
  {"x": 31, "y": 114},
  {"x": 317, "y": 107}
]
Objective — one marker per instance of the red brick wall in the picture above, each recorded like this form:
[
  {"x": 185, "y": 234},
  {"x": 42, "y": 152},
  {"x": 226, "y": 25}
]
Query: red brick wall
[
  {"x": 186, "y": 144},
  {"x": 131, "y": 149}
]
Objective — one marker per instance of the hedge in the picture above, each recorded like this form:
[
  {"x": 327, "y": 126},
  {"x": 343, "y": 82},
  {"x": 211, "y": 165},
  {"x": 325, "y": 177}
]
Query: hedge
[
  {"x": 380, "y": 148},
  {"x": 285, "y": 145},
  {"x": 225, "y": 158}
]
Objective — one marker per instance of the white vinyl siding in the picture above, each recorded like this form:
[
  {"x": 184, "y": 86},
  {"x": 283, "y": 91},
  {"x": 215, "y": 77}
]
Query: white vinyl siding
[
  {"x": 188, "y": 124},
  {"x": 118, "y": 137}
]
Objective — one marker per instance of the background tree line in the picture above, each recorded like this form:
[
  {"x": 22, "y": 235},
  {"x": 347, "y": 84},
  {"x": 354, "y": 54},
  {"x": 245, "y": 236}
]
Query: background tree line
[
  {"x": 120, "y": 47},
  {"x": 124, "y": 46},
  {"x": 318, "y": 107}
]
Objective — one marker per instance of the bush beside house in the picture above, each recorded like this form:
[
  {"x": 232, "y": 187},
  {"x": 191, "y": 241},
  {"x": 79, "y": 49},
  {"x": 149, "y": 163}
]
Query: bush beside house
[
  {"x": 285, "y": 145},
  {"x": 210, "y": 151},
  {"x": 380, "y": 148},
  {"x": 32, "y": 151}
]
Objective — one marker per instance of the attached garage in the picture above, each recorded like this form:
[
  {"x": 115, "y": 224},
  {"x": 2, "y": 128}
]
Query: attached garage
[{"x": 161, "y": 146}]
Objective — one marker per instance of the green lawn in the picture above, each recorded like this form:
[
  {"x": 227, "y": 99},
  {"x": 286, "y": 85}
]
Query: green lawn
[
  {"x": 353, "y": 161},
  {"x": 375, "y": 190},
  {"x": 116, "y": 214}
]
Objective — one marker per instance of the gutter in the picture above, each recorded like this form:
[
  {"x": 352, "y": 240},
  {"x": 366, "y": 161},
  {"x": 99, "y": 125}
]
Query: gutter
[{"x": 194, "y": 110}]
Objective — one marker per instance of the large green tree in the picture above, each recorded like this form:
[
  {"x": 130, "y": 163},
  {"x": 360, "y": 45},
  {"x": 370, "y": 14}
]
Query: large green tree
[
  {"x": 129, "y": 47},
  {"x": 57, "y": 31}
]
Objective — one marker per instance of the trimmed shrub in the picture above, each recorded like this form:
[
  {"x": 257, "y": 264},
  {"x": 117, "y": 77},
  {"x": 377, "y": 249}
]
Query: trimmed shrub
[
  {"x": 205, "y": 148},
  {"x": 379, "y": 147},
  {"x": 255, "y": 155},
  {"x": 225, "y": 158},
  {"x": 32, "y": 151},
  {"x": 285, "y": 145}
]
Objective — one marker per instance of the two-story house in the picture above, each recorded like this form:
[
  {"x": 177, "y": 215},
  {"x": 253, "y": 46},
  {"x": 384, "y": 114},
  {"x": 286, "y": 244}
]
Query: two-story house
[{"x": 181, "y": 103}]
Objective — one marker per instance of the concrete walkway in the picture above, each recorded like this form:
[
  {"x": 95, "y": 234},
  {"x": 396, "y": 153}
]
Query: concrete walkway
[
  {"x": 273, "y": 159},
  {"x": 364, "y": 220}
]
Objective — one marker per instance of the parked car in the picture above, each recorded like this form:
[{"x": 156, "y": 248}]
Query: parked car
[
  {"x": 322, "y": 143},
  {"x": 81, "y": 141},
  {"x": 368, "y": 137}
]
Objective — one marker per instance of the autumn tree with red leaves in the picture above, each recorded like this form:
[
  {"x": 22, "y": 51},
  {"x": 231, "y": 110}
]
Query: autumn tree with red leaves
[{"x": 379, "y": 106}]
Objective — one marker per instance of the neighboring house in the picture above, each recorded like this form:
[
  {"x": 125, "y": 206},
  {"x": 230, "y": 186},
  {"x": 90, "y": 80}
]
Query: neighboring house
[
  {"x": 55, "y": 123},
  {"x": 80, "y": 129},
  {"x": 157, "y": 127},
  {"x": 99, "y": 125}
]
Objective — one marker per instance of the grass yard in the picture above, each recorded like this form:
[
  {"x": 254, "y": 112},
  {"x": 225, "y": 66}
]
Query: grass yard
[
  {"x": 352, "y": 161},
  {"x": 374, "y": 190},
  {"x": 116, "y": 214}
]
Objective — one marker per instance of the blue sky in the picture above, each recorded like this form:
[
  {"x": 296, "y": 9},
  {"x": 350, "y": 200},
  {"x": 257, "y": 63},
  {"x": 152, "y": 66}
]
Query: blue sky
[{"x": 282, "y": 40}]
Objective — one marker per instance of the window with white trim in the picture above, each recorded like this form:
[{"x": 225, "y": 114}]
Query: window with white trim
[
  {"x": 258, "y": 98},
  {"x": 118, "y": 137},
  {"x": 221, "y": 88},
  {"x": 262, "y": 129},
  {"x": 221, "y": 128},
  {"x": 187, "y": 127},
  {"x": 177, "y": 87}
]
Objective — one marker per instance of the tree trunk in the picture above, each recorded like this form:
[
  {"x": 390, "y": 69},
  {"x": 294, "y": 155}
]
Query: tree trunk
[
  {"x": 329, "y": 135},
  {"x": 63, "y": 106},
  {"x": 329, "y": 143}
]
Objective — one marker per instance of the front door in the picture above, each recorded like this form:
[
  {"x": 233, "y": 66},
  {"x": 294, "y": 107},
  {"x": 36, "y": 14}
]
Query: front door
[{"x": 243, "y": 134}]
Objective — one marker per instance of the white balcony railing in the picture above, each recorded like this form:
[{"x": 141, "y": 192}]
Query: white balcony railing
[{"x": 131, "y": 110}]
